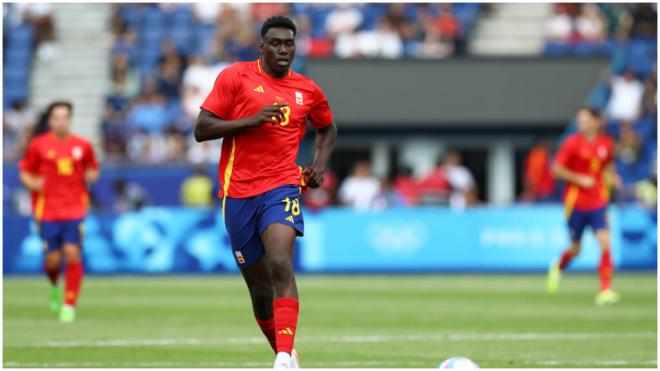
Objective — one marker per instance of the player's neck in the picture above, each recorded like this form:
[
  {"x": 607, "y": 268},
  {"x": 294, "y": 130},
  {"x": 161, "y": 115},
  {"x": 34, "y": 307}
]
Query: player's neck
[
  {"x": 590, "y": 136},
  {"x": 272, "y": 73},
  {"x": 61, "y": 136}
]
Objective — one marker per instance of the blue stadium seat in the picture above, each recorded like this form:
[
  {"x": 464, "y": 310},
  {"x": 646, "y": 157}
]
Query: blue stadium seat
[
  {"x": 18, "y": 57},
  {"x": 556, "y": 49},
  {"x": 21, "y": 35}
]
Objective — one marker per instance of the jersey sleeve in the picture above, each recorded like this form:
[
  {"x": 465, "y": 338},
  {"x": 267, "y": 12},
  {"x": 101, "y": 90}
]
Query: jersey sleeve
[
  {"x": 565, "y": 152},
  {"x": 320, "y": 116},
  {"x": 90, "y": 158},
  {"x": 30, "y": 161},
  {"x": 221, "y": 98}
]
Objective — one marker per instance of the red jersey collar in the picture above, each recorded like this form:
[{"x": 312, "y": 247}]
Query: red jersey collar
[{"x": 269, "y": 76}]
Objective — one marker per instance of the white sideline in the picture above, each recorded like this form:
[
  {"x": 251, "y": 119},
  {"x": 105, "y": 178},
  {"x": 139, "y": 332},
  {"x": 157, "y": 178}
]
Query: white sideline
[
  {"x": 308, "y": 364},
  {"x": 343, "y": 338}
]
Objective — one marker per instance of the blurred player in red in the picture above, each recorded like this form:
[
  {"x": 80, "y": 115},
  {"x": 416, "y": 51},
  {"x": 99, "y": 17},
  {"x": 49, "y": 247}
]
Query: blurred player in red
[
  {"x": 56, "y": 168},
  {"x": 261, "y": 109},
  {"x": 582, "y": 162}
]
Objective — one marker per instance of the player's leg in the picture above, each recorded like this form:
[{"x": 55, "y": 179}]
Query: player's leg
[
  {"x": 51, "y": 237},
  {"x": 278, "y": 241},
  {"x": 52, "y": 265},
  {"x": 576, "y": 225},
  {"x": 605, "y": 269},
  {"x": 240, "y": 217},
  {"x": 258, "y": 282},
  {"x": 74, "y": 272},
  {"x": 279, "y": 224}
]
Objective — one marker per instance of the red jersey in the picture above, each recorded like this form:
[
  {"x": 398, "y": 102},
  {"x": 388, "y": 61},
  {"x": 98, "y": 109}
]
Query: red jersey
[
  {"x": 587, "y": 158},
  {"x": 62, "y": 165},
  {"x": 263, "y": 158},
  {"x": 537, "y": 172}
]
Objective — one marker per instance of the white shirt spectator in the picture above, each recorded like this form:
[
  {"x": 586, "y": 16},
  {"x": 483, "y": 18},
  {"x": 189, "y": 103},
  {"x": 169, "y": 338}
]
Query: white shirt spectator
[
  {"x": 18, "y": 119},
  {"x": 205, "y": 152},
  {"x": 345, "y": 18},
  {"x": 359, "y": 192},
  {"x": 347, "y": 45},
  {"x": 590, "y": 24},
  {"x": 207, "y": 12},
  {"x": 461, "y": 181},
  {"x": 382, "y": 42},
  {"x": 559, "y": 27},
  {"x": 198, "y": 80},
  {"x": 625, "y": 101}
]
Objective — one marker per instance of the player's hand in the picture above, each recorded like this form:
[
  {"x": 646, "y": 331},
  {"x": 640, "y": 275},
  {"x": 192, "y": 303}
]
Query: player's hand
[
  {"x": 271, "y": 113},
  {"x": 314, "y": 177},
  {"x": 586, "y": 181},
  {"x": 617, "y": 182},
  {"x": 36, "y": 184}
]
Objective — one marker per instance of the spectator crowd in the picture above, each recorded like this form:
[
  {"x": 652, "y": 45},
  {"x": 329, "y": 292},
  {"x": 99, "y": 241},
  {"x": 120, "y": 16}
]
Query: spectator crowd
[{"x": 165, "y": 58}]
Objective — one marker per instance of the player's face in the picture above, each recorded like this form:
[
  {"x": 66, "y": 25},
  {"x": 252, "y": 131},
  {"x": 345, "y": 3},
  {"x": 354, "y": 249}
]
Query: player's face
[
  {"x": 278, "y": 48},
  {"x": 60, "y": 120},
  {"x": 587, "y": 123}
]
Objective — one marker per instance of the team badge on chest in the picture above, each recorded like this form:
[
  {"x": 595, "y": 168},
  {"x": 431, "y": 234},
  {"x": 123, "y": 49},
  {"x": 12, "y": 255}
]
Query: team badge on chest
[{"x": 76, "y": 153}]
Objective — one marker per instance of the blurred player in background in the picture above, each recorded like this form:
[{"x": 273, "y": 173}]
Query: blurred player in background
[
  {"x": 56, "y": 168},
  {"x": 261, "y": 108},
  {"x": 583, "y": 161}
]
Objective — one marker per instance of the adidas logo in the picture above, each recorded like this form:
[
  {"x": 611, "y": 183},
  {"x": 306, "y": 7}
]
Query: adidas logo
[
  {"x": 290, "y": 218},
  {"x": 286, "y": 331},
  {"x": 259, "y": 89}
]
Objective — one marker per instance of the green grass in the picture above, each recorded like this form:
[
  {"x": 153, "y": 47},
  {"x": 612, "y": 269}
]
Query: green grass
[{"x": 346, "y": 321}]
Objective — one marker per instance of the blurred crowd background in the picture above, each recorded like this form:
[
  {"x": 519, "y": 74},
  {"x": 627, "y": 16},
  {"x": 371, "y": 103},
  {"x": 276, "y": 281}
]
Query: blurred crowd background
[{"x": 163, "y": 59}]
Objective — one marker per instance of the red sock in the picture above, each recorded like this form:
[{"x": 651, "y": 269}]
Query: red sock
[
  {"x": 605, "y": 270},
  {"x": 566, "y": 258},
  {"x": 53, "y": 275},
  {"x": 285, "y": 312},
  {"x": 268, "y": 328},
  {"x": 72, "y": 279}
]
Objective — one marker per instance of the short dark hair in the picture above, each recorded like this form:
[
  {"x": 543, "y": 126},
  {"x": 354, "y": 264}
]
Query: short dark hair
[
  {"x": 278, "y": 21},
  {"x": 593, "y": 111}
]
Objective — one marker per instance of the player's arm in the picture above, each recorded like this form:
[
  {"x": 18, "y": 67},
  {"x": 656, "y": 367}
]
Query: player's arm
[
  {"x": 211, "y": 127},
  {"x": 324, "y": 143},
  {"x": 562, "y": 172},
  {"x": 92, "y": 175},
  {"x": 92, "y": 172},
  {"x": 28, "y": 169},
  {"x": 610, "y": 173},
  {"x": 33, "y": 182}
]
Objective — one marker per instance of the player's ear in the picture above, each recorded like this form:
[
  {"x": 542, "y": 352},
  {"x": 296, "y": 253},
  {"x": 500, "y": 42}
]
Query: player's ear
[{"x": 261, "y": 45}]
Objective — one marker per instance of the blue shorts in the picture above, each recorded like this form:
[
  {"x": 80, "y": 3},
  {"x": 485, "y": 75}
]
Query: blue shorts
[
  {"x": 247, "y": 218},
  {"x": 55, "y": 234},
  {"x": 579, "y": 220}
]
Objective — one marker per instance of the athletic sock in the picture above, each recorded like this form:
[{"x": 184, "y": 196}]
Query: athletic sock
[
  {"x": 605, "y": 270},
  {"x": 268, "y": 328},
  {"x": 53, "y": 275},
  {"x": 566, "y": 258},
  {"x": 285, "y": 312},
  {"x": 72, "y": 280}
]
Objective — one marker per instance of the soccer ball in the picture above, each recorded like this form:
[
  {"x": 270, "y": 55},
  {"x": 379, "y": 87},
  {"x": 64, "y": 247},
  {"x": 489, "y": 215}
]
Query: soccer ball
[{"x": 458, "y": 362}]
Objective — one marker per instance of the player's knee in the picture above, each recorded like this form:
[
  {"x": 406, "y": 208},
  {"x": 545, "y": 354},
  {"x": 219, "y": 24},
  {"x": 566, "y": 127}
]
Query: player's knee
[
  {"x": 575, "y": 249},
  {"x": 281, "y": 271},
  {"x": 262, "y": 293},
  {"x": 71, "y": 254}
]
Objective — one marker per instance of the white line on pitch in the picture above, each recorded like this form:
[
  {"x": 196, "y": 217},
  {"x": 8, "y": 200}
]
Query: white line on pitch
[
  {"x": 344, "y": 338},
  {"x": 309, "y": 364}
]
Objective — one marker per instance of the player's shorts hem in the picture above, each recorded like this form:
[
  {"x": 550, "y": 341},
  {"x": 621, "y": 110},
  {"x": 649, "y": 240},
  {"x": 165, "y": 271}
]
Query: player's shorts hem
[{"x": 299, "y": 231}]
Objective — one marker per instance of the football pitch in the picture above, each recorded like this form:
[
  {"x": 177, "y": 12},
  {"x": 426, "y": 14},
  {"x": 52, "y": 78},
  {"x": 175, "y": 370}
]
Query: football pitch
[{"x": 346, "y": 321}]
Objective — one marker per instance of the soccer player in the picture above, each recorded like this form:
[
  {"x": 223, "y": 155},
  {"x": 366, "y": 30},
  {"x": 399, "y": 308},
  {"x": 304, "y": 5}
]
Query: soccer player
[
  {"x": 261, "y": 109},
  {"x": 582, "y": 162},
  {"x": 56, "y": 168}
]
